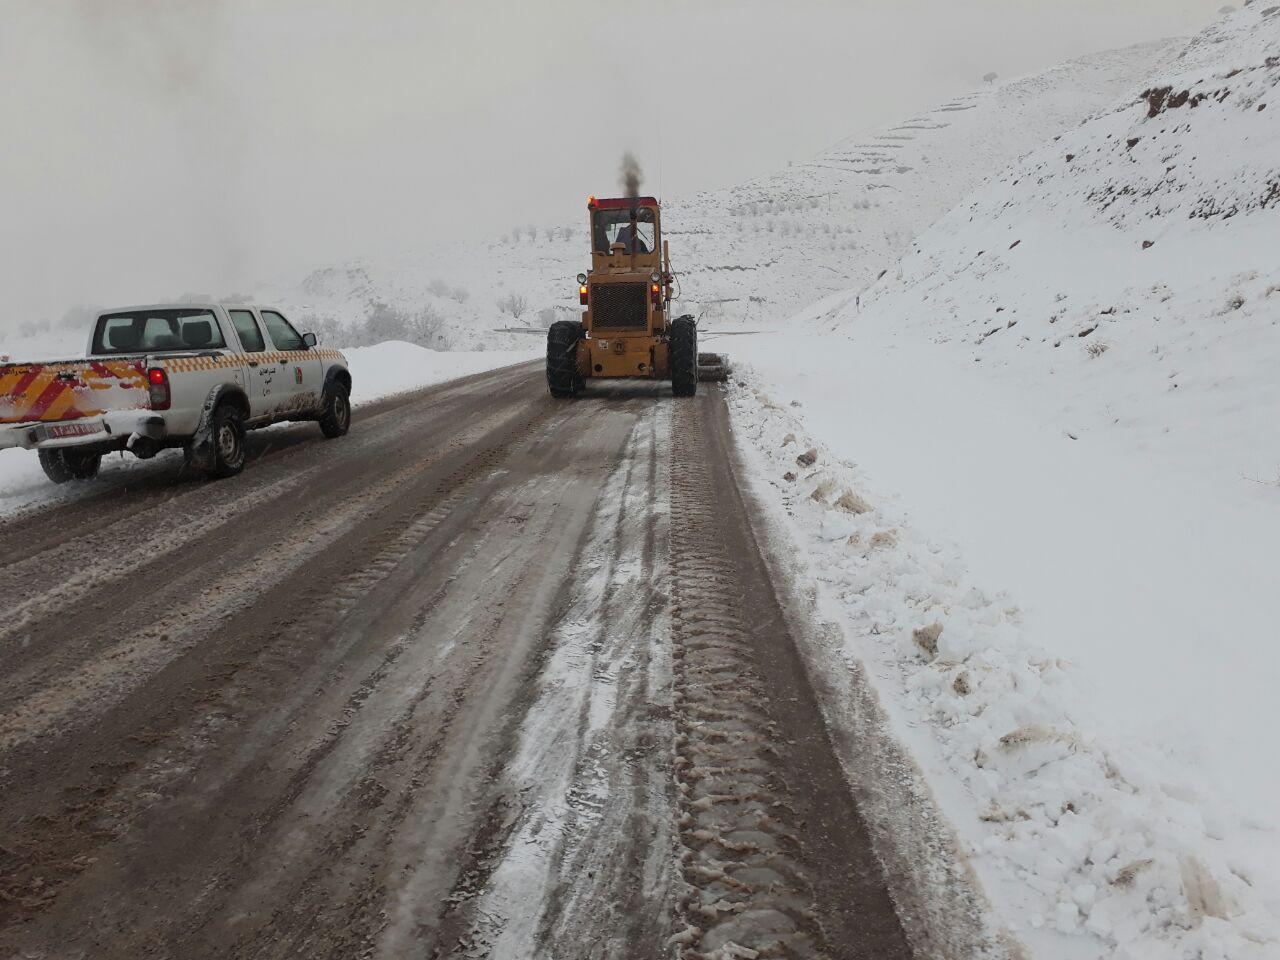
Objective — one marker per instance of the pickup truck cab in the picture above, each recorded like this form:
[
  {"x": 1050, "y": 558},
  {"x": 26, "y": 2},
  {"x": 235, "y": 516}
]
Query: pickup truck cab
[{"x": 196, "y": 376}]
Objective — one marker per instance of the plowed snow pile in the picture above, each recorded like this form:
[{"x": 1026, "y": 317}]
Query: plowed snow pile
[{"x": 1070, "y": 388}]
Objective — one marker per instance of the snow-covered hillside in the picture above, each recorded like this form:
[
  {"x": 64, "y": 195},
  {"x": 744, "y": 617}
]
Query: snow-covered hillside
[
  {"x": 771, "y": 246},
  {"x": 752, "y": 253},
  {"x": 1066, "y": 425},
  {"x": 1135, "y": 258}
]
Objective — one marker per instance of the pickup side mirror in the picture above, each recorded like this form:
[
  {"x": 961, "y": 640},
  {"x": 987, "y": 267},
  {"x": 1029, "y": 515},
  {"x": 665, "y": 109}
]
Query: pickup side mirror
[{"x": 310, "y": 339}]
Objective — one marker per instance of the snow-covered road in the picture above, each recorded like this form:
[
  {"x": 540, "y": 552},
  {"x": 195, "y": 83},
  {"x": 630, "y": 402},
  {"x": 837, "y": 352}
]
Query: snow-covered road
[{"x": 492, "y": 676}]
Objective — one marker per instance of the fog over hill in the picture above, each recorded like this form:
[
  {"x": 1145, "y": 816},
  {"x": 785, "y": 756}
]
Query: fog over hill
[{"x": 212, "y": 147}]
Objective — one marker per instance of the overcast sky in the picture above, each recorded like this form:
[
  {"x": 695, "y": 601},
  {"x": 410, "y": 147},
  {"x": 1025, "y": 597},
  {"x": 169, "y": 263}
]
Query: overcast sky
[{"x": 157, "y": 146}]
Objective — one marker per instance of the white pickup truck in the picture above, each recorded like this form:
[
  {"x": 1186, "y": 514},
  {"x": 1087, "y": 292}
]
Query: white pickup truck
[{"x": 196, "y": 376}]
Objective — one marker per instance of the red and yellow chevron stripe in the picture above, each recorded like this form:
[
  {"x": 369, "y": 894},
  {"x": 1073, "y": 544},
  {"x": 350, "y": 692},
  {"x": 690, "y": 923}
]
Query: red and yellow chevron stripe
[{"x": 67, "y": 391}]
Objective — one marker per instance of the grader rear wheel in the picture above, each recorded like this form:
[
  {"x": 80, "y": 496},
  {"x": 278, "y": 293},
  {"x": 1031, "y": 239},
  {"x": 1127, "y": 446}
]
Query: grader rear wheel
[
  {"x": 683, "y": 352},
  {"x": 562, "y": 358}
]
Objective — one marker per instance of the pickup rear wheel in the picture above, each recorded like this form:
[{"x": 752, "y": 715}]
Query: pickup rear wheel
[
  {"x": 62, "y": 464},
  {"x": 335, "y": 418},
  {"x": 228, "y": 435}
]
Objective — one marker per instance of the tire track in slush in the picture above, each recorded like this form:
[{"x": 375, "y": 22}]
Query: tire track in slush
[
  {"x": 125, "y": 799},
  {"x": 129, "y": 661},
  {"x": 747, "y": 890},
  {"x": 775, "y": 859}
]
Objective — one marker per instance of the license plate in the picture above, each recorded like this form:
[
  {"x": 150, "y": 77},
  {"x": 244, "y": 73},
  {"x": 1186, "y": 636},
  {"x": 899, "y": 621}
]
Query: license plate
[{"x": 59, "y": 430}]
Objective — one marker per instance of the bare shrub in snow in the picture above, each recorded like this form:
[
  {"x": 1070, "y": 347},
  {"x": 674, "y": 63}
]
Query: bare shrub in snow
[
  {"x": 460, "y": 294},
  {"x": 1097, "y": 349},
  {"x": 328, "y": 329},
  {"x": 439, "y": 288},
  {"x": 514, "y": 304},
  {"x": 990, "y": 77},
  {"x": 384, "y": 323},
  {"x": 426, "y": 328}
]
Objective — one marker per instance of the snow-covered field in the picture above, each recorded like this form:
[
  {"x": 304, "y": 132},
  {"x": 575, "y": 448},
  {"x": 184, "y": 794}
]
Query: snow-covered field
[
  {"x": 1056, "y": 551},
  {"x": 376, "y": 372}
]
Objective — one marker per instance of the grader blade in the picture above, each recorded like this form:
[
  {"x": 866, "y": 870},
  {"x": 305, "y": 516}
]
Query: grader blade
[{"x": 713, "y": 367}]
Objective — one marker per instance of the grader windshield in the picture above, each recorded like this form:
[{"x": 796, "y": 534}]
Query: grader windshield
[{"x": 615, "y": 226}]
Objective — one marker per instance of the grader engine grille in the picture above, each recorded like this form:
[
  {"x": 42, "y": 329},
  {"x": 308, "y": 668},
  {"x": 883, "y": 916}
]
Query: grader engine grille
[{"x": 619, "y": 306}]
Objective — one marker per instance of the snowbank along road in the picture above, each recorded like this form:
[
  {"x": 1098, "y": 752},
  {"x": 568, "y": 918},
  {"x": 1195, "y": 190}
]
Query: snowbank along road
[{"x": 493, "y": 676}]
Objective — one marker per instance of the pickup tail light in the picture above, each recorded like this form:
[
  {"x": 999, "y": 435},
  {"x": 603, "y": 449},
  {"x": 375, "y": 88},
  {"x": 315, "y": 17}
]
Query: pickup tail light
[{"x": 158, "y": 388}]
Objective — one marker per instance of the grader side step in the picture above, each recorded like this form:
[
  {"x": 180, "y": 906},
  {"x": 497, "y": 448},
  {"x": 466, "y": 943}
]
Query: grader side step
[{"x": 713, "y": 367}]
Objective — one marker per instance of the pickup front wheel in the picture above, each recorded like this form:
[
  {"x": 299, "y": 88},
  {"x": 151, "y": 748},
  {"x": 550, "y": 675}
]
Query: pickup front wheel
[
  {"x": 228, "y": 435},
  {"x": 63, "y": 464},
  {"x": 335, "y": 418}
]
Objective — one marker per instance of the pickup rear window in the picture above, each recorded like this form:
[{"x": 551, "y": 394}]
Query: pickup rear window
[{"x": 152, "y": 331}]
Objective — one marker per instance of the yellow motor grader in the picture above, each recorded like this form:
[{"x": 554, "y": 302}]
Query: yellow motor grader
[{"x": 625, "y": 330}]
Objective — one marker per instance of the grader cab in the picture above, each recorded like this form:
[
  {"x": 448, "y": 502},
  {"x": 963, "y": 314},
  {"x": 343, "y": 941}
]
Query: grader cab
[{"x": 626, "y": 330}]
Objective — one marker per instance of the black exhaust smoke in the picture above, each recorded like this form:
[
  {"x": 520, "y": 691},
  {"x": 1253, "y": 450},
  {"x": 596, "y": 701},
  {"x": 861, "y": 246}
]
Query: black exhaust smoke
[{"x": 629, "y": 175}]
